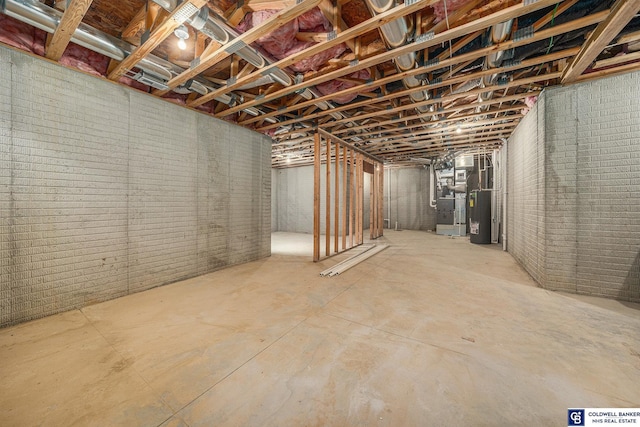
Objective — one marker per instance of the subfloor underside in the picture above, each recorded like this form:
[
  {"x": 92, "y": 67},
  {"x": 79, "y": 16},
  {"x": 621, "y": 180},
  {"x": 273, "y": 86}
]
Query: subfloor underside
[{"x": 431, "y": 331}]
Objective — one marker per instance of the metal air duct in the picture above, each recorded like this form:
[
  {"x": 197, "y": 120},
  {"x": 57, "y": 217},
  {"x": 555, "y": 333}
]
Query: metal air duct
[
  {"x": 499, "y": 33},
  {"x": 397, "y": 33},
  {"x": 207, "y": 22},
  {"x": 156, "y": 72}
]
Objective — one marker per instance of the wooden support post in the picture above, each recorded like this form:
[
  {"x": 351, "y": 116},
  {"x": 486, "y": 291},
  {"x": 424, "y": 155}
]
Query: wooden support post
[
  {"x": 360, "y": 214},
  {"x": 372, "y": 204},
  {"x": 381, "y": 203},
  {"x": 316, "y": 197},
  {"x": 327, "y": 249},
  {"x": 356, "y": 208},
  {"x": 344, "y": 197},
  {"x": 352, "y": 196},
  {"x": 336, "y": 203}
]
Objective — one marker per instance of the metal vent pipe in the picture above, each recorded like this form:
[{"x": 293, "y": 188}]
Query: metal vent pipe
[{"x": 397, "y": 33}]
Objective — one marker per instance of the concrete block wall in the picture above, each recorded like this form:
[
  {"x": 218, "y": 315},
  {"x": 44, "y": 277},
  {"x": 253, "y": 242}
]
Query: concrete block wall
[
  {"x": 106, "y": 191},
  {"x": 584, "y": 194},
  {"x": 408, "y": 190},
  {"x": 293, "y": 188},
  {"x": 525, "y": 187}
]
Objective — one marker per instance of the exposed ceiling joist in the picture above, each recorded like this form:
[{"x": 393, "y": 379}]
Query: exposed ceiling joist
[
  {"x": 495, "y": 18},
  {"x": 71, "y": 18},
  {"x": 343, "y": 36},
  {"x": 163, "y": 31},
  {"x": 622, "y": 12},
  {"x": 246, "y": 38}
]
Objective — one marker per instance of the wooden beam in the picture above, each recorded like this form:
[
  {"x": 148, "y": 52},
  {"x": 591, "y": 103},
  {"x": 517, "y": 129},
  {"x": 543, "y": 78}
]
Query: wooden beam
[
  {"x": 71, "y": 18},
  {"x": 256, "y": 5},
  {"x": 316, "y": 197},
  {"x": 558, "y": 10},
  {"x": 616, "y": 60},
  {"x": 621, "y": 13},
  {"x": 312, "y": 37},
  {"x": 163, "y": 31},
  {"x": 139, "y": 21}
]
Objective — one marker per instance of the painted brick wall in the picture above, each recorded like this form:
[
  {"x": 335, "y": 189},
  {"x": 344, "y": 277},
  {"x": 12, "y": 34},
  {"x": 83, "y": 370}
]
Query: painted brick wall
[
  {"x": 6, "y": 273},
  {"x": 582, "y": 192},
  {"x": 525, "y": 186},
  {"x": 600, "y": 121},
  {"x": 561, "y": 193},
  {"x": 106, "y": 195}
]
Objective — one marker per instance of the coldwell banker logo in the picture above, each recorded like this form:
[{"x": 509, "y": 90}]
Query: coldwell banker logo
[{"x": 576, "y": 417}]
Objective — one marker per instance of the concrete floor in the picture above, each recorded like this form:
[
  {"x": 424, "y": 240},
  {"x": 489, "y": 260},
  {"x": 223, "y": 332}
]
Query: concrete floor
[{"x": 432, "y": 331}]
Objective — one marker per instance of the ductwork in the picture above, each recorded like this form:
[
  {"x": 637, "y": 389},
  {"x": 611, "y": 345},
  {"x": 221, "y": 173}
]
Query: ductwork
[
  {"x": 39, "y": 15},
  {"x": 499, "y": 33},
  {"x": 155, "y": 72},
  {"x": 396, "y": 33},
  {"x": 209, "y": 24}
]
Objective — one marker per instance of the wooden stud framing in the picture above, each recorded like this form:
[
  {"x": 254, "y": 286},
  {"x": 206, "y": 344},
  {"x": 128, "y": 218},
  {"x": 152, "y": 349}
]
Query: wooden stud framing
[
  {"x": 343, "y": 210},
  {"x": 372, "y": 204},
  {"x": 327, "y": 202},
  {"x": 381, "y": 201},
  {"x": 352, "y": 193},
  {"x": 316, "y": 197},
  {"x": 336, "y": 202},
  {"x": 348, "y": 187}
]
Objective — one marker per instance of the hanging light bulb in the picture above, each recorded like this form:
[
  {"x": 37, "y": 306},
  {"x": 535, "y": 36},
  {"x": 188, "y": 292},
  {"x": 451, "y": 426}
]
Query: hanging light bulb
[
  {"x": 458, "y": 129},
  {"x": 182, "y": 34}
]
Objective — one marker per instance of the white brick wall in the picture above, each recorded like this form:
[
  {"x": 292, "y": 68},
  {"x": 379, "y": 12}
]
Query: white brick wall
[
  {"x": 525, "y": 186},
  {"x": 588, "y": 199},
  {"x": 110, "y": 194},
  {"x": 561, "y": 195},
  {"x": 6, "y": 270}
]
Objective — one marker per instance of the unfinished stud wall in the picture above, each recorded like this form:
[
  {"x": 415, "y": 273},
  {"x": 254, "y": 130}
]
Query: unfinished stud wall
[
  {"x": 293, "y": 188},
  {"x": 107, "y": 195},
  {"x": 594, "y": 175},
  {"x": 525, "y": 186}
]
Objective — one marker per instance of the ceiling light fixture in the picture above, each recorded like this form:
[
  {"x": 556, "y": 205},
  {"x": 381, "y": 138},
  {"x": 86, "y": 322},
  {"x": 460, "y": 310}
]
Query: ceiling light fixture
[
  {"x": 458, "y": 129},
  {"x": 182, "y": 34}
]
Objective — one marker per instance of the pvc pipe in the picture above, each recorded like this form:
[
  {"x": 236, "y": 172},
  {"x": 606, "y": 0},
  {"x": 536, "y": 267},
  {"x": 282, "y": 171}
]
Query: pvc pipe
[{"x": 432, "y": 184}]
